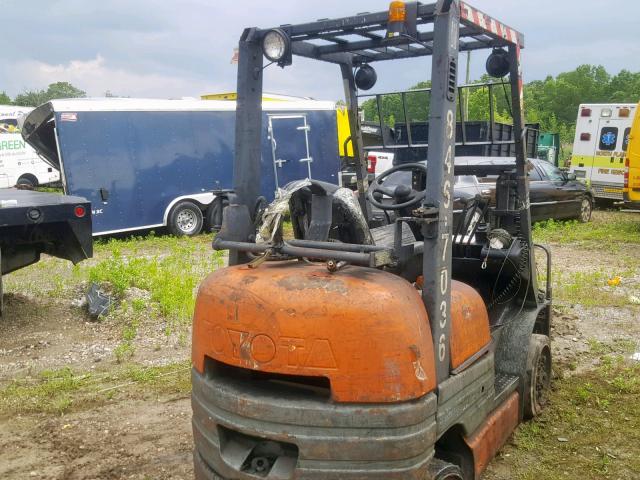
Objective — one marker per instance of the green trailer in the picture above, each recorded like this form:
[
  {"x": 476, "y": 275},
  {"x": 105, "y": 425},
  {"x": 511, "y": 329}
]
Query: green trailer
[{"x": 549, "y": 147}]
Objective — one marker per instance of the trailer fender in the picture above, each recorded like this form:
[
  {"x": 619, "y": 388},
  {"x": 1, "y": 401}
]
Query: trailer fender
[{"x": 203, "y": 199}]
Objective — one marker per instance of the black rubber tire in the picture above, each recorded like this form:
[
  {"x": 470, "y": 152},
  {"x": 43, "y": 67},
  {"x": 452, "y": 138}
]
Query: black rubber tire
[
  {"x": 258, "y": 210},
  {"x": 538, "y": 376},
  {"x": 441, "y": 470},
  {"x": 213, "y": 217},
  {"x": 185, "y": 219},
  {"x": 28, "y": 181},
  {"x": 586, "y": 209}
]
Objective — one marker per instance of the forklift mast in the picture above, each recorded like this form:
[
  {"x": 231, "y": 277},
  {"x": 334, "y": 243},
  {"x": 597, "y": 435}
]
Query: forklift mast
[{"x": 441, "y": 31}]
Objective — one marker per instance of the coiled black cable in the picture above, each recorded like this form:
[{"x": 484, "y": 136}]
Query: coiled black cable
[{"x": 516, "y": 280}]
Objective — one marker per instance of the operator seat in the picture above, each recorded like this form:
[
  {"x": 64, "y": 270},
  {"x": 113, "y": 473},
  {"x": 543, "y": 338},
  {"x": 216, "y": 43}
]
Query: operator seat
[{"x": 325, "y": 212}]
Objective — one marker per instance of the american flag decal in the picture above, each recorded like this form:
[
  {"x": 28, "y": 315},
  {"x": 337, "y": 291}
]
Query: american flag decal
[
  {"x": 490, "y": 25},
  {"x": 68, "y": 117}
]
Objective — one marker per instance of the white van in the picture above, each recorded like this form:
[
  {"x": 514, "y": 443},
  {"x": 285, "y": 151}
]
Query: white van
[
  {"x": 602, "y": 137},
  {"x": 19, "y": 163}
]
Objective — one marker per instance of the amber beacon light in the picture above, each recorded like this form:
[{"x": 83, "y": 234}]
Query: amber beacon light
[{"x": 397, "y": 17}]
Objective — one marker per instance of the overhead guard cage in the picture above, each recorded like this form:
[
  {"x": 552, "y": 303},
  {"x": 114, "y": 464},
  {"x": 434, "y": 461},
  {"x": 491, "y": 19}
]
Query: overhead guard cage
[{"x": 439, "y": 30}]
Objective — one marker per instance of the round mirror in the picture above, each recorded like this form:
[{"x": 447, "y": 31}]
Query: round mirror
[
  {"x": 498, "y": 63},
  {"x": 366, "y": 77}
]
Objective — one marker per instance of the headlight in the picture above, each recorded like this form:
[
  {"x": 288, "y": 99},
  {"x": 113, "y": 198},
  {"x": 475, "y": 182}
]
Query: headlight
[{"x": 276, "y": 45}]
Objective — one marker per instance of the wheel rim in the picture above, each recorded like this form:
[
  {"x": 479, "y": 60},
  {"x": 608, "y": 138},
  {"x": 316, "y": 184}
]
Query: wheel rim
[
  {"x": 586, "y": 210},
  {"x": 542, "y": 379},
  {"x": 186, "y": 221}
]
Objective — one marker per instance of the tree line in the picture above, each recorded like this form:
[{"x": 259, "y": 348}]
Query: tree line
[
  {"x": 552, "y": 102},
  {"x": 33, "y": 98}
]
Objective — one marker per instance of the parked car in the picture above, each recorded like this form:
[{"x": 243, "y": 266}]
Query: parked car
[{"x": 553, "y": 194}]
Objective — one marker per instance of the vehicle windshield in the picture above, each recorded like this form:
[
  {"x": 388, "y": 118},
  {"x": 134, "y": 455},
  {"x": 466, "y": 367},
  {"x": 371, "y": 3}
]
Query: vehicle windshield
[{"x": 405, "y": 178}]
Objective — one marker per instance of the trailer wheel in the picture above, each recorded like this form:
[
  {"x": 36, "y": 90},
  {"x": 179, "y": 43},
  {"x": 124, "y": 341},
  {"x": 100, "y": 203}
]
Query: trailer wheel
[
  {"x": 538, "y": 376},
  {"x": 441, "y": 470},
  {"x": 27, "y": 181},
  {"x": 185, "y": 219}
]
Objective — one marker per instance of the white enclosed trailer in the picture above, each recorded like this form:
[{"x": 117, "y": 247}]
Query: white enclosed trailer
[{"x": 19, "y": 163}]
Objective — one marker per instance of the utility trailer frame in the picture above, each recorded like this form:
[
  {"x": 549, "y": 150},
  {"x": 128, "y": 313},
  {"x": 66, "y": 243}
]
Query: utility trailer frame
[{"x": 32, "y": 223}]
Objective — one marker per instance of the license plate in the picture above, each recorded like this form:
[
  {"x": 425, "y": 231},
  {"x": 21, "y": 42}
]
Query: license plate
[{"x": 612, "y": 190}]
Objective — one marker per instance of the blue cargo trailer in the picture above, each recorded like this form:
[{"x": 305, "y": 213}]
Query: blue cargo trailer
[{"x": 153, "y": 163}]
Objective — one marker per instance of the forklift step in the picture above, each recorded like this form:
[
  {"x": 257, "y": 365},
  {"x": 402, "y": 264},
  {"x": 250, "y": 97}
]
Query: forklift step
[{"x": 504, "y": 385}]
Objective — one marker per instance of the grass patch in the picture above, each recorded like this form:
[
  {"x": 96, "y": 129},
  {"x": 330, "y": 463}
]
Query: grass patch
[
  {"x": 590, "y": 289},
  {"x": 606, "y": 230},
  {"x": 597, "y": 414},
  {"x": 62, "y": 390},
  {"x": 48, "y": 189},
  {"x": 169, "y": 268}
]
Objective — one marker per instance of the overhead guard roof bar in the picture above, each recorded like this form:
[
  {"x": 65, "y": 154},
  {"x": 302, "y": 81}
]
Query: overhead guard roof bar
[{"x": 477, "y": 31}]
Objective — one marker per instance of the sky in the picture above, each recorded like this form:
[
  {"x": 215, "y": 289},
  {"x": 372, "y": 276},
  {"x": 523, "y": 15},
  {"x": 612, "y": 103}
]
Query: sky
[{"x": 155, "y": 48}]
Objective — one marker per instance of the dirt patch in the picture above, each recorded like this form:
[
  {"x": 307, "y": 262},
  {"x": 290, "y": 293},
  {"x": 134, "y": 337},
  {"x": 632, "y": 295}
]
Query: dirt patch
[
  {"x": 141, "y": 439},
  {"x": 39, "y": 334}
]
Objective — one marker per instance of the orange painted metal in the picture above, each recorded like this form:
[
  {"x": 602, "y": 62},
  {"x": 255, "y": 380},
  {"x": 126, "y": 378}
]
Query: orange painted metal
[
  {"x": 365, "y": 330},
  {"x": 469, "y": 324},
  {"x": 397, "y": 11},
  {"x": 470, "y": 331},
  {"x": 494, "y": 433}
]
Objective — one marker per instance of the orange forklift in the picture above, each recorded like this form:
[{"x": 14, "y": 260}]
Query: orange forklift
[{"x": 405, "y": 350}]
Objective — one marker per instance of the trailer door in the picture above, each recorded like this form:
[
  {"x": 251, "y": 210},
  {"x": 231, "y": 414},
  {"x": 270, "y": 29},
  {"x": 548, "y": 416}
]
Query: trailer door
[{"x": 289, "y": 136}]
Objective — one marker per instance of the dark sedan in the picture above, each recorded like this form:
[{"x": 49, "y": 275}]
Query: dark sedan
[{"x": 553, "y": 193}]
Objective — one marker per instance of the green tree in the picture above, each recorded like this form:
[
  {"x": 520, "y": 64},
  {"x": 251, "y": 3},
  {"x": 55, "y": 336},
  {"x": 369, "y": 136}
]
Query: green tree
[
  {"x": 4, "y": 99},
  {"x": 417, "y": 105},
  {"x": 552, "y": 102},
  {"x": 64, "y": 90},
  {"x": 33, "y": 98},
  {"x": 30, "y": 98}
]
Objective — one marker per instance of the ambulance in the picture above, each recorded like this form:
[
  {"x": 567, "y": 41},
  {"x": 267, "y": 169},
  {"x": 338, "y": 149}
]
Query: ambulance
[
  {"x": 632, "y": 166},
  {"x": 600, "y": 145},
  {"x": 19, "y": 163}
]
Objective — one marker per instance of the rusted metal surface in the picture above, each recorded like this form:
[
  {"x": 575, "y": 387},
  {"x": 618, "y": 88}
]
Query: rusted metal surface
[
  {"x": 469, "y": 324},
  {"x": 493, "y": 433},
  {"x": 365, "y": 330}
]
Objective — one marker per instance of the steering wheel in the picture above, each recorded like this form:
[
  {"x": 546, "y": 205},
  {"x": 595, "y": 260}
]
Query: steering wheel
[{"x": 404, "y": 195}]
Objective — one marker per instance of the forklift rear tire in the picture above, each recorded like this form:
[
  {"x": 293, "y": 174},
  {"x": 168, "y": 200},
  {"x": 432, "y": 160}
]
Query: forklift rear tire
[
  {"x": 441, "y": 470},
  {"x": 185, "y": 219},
  {"x": 538, "y": 376}
]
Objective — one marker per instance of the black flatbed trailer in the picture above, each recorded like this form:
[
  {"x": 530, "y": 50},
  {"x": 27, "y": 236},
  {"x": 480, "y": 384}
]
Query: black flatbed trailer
[{"x": 33, "y": 223}]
